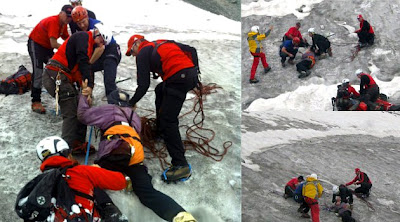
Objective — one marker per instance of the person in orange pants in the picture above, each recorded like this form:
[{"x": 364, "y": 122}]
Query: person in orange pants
[
  {"x": 254, "y": 38},
  {"x": 312, "y": 190}
]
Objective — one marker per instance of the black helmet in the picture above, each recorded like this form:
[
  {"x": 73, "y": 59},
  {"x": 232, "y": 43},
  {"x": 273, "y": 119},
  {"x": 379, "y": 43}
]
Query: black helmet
[{"x": 119, "y": 98}]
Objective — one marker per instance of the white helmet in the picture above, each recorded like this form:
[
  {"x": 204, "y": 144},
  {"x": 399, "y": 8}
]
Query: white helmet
[
  {"x": 345, "y": 80},
  {"x": 50, "y": 146},
  {"x": 335, "y": 189},
  {"x": 311, "y": 30},
  {"x": 104, "y": 32},
  {"x": 255, "y": 29},
  {"x": 358, "y": 72},
  {"x": 313, "y": 175}
]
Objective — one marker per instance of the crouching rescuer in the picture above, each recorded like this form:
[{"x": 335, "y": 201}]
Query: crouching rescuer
[
  {"x": 63, "y": 76},
  {"x": 177, "y": 65}
]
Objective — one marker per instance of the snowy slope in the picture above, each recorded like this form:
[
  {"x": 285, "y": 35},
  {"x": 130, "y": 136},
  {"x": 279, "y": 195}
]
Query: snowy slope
[
  {"x": 277, "y": 146},
  {"x": 327, "y": 17},
  {"x": 213, "y": 192}
]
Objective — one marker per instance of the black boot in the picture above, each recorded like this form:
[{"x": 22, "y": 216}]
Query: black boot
[{"x": 110, "y": 213}]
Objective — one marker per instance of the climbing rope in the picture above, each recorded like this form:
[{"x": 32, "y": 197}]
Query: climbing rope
[{"x": 198, "y": 137}]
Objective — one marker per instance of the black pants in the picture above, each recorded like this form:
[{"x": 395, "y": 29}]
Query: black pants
[
  {"x": 108, "y": 62},
  {"x": 322, "y": 47},
  {"x": 163, "y": 205},
  {"x": 366, "y": 37},
  {"x": 303, "y": 65},
  {"x": 304, "y": 208},
  {"x": 365, "y": 187},
  {"x": 369, "y": 96},
  {"x": 39, "y": 55},
  {"x": 72, "y": 128},
  {"x": 346, "y": 216},
  {"x": 289, "y": 191},
  {"x": 284, "y": 55},
  {"x": 170, "y": 96}
]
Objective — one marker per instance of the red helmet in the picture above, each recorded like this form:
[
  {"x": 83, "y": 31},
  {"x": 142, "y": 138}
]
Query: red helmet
[
  {"x": 359, "y": 16},
  {"x": 132, "y": 41},
  {"x": 357, "y": 170},
  {"x": 79, "y": 13},
  {"x": 296, "y": 40}
]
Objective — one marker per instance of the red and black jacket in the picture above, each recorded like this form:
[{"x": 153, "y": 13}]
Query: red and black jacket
[
  {"x": 365, "y": 27},
  {"x": 75, "y": 54},
  {"x": 168, "y": 60},
  {"x": 367, "y": 82},
  {"x": 85, "y": 178},
  {"x": 359, "y": 179}
]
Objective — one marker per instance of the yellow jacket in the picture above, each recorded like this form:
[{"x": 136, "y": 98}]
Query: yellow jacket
[
  {"x": 312, "y": 188},
  {"x": 255, "y": 39}
]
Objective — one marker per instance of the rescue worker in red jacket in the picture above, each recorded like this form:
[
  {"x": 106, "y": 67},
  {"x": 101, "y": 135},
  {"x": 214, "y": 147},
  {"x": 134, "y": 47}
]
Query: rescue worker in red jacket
[
  {"x": 294, "y": 32},
  {"x": 291, "y": 185},
  {"x": 369, "y": 90},
  {"x": 68, "y": 66},
  {"x": 365, "y": 34},
  {"x": 363, "y": 180},
  {"x": 179, "y": 75},
  {"x": 86, "y": 181},
  {"x": 42, "y": 40}
]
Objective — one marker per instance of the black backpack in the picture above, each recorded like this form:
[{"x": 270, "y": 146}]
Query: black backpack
[
  {"x": 342, "y": 92},
  {"x": 189, "y": 51},
  {"x": 49, "y": 193}
]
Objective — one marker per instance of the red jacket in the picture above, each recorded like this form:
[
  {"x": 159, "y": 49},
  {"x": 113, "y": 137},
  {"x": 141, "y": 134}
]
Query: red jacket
[
  {"x": 294, "y": 32},
  {"x": 352, "y": 91},
  {"x": 75, "y": 54},
  {"x": 84, "y": 178},
  {"x": 47, "y": 28},
  {"x": 362, "y": 28},
  {"x": 363, "y": 178},
  {"x": 368, "y": 85},
  {"x": 173, "y": 59},
  {"x": 293, "y": 183}
]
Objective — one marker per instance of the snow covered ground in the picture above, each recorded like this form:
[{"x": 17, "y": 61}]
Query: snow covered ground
[
  {"x": 277, "y": 146},
  {"x": 281, "y": 89},
  {"x": 213, "y": 192}
]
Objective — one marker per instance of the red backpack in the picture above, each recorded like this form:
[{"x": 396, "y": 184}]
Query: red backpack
[{"x": 18, "y": 83}]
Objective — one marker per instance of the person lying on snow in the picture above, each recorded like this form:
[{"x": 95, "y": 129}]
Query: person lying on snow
[
  {"x": 342, "y": 210},
  {"x": 120, "y": 149},
  {"x": 306, "y": 63},
  {"x": 346, "y": 196}
]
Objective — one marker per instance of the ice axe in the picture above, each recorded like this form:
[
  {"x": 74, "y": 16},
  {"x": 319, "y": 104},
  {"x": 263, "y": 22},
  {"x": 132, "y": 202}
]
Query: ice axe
[
  {"x": 333, "y": 101},
  {"x": 123, "y": 80},
  {"x": 88, "y": 146}
]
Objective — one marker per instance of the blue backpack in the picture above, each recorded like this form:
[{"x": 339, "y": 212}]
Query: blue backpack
[{"x": 297, "y": 194}]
